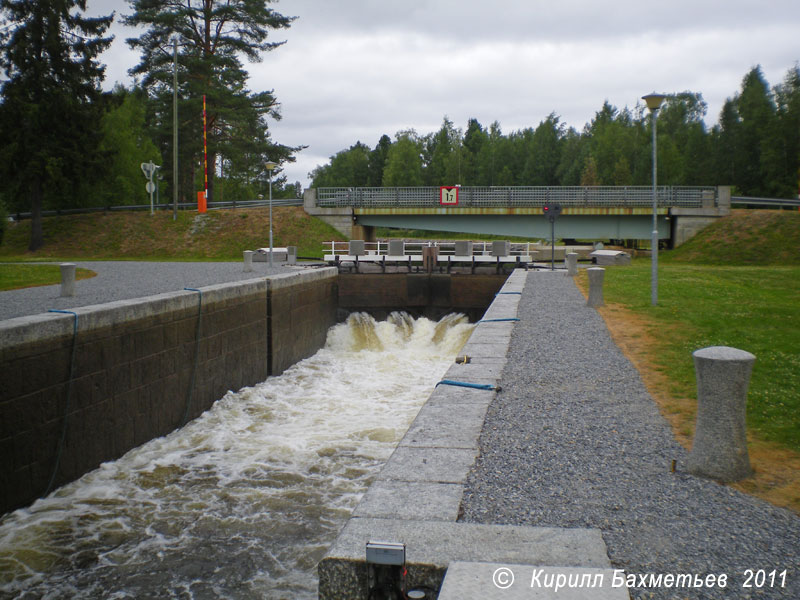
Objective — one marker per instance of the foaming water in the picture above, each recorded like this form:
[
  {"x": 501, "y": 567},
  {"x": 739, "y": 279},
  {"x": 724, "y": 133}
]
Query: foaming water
[{"x": 244, "y": 501}]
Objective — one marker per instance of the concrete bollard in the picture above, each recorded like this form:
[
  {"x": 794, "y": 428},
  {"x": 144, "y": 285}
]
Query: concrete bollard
[
  {"x": 67, "y": 280},
  {"x": 572, "y": 263},
  {"x": 248, "y": 261},
  {"x": 719, "y": 450},
  {"x": 291, "y": 255},
  {"x": 596, "y": 275}
]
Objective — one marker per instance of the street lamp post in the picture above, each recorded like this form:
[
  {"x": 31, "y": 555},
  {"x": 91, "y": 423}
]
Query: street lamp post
[
  {"x": 270, "y": 167},
  {"x": 175, "y": 40},
  {"x": 654, "y": 102}
]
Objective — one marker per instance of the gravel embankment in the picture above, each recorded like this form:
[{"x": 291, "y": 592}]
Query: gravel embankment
[
  {"x": 124, "y": 280},
  {"x": 574, "y": 440}
]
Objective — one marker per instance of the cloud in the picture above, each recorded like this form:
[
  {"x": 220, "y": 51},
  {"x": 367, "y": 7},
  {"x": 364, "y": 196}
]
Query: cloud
[{"x": 352, "y": 70}]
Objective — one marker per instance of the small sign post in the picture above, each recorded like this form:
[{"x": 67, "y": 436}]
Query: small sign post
[
  {"x": 149, "y": 169},
  {"x": 448, "y": 195}
]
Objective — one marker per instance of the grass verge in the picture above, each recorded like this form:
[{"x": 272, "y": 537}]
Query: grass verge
[
  {"x": 216, "y": 235},
  {"x": 15, "y": 276},
  {"x": 752, "y": 308}
]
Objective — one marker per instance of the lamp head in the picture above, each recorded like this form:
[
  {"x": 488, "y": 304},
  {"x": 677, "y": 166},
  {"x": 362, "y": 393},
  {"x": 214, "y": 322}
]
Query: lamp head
[
  {"x": 270, "y": 165},
  {"x": 654, "y": 100}
]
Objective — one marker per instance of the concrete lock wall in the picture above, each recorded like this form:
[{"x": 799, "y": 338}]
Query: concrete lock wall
[{"x": 141, "y": 368}]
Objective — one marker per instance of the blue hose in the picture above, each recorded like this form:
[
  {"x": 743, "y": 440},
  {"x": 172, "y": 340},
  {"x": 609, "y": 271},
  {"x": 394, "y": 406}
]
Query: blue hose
[
  {"x": 497, "y": 320},
  {"x": 190, "y": 393},
  {"x": 477, "y": 386}
]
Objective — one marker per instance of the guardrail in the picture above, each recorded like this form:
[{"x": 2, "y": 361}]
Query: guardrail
[
  {"x": 429, "y": 196},
  {"x": 168, "y": 206},
  {"x": 764, "y": 201}
]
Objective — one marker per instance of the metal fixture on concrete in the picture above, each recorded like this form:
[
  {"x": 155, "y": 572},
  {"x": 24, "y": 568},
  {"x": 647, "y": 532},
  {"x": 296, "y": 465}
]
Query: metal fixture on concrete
[
  {"x": 654, "y": 102},
  {"x": 270, "y": 166},
  {"x": 385, "y": 564}
]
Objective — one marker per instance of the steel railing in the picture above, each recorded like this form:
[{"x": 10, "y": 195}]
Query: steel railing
[
  {"x": 765, "y": 201},
  {"x": 414, "y": 248},
  {"x": 163, "y": 206},
  {"x": 429, "y": 196}
]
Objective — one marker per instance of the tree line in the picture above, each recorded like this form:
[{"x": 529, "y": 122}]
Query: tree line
[
  {"x": 754, "y": 147},
  {"x": 68, "y": 144}
]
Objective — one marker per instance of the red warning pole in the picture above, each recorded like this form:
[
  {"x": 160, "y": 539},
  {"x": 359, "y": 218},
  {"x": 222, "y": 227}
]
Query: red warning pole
[{"x": 205, "y": 156}]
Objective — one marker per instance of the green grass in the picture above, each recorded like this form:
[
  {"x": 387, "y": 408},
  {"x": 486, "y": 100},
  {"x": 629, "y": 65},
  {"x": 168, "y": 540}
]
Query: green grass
[
  {"x": 217, "y": 235},
  {"x": 746, "y": 237},
  {"x": 15, "y": 276},
  {"x": 752, "y": 308}
]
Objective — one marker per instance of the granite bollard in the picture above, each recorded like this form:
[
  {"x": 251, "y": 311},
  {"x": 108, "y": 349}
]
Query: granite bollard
[
  {"x": 719, "y": 450},
  {"x": 248, "y": 261},
  {"x": 595, "y": 286},
  {"x": 67, "y": 280},
  {"x": 572, "y": 263}
]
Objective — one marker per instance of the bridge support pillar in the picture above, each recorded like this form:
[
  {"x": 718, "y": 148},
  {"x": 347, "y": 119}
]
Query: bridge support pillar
[{"x": 363, "y": 232}]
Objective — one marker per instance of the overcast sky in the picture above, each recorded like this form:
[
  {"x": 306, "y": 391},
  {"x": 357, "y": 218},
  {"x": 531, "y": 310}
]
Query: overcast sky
[{"x": 352, "y": 70}]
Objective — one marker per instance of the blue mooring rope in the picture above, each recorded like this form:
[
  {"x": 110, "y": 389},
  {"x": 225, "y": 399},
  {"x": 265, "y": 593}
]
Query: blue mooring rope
[
  {"x": 65, "y": 418},
  {"x": 497, "y": 320},
  {"x": 517, "y": 293},
  {"x": 190, "y": 393},
  {"x": 477, "y": 386}
]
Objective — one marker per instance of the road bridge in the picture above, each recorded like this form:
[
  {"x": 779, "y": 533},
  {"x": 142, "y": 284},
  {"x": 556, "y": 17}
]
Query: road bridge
[{"x": 589, "y": 213}]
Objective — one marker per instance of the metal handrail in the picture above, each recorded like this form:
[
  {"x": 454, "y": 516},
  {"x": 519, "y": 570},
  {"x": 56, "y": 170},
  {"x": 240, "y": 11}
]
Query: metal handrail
[
  {"x": 764, "y": 201},
  {"x": 166, "y": 206},
  {"x": 414, "y": 248},
  {"x": 510, "y": 196}
]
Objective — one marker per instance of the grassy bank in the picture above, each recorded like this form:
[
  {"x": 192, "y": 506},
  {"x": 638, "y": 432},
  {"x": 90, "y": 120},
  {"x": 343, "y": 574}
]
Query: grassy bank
[
  {"x": 752, "y": 308},
  {"x": 17, "y": 276},
  {"x": 217, "y": 235}
]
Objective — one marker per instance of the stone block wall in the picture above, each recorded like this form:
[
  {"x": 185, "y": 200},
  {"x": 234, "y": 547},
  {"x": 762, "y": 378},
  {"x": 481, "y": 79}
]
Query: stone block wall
[{"x": 140, "y": 368}]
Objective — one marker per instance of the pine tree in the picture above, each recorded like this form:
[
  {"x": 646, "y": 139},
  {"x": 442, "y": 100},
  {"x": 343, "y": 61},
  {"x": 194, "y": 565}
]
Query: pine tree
[
  {"x": 51, "y": 102},
  {"x": 213, "y": 33}
]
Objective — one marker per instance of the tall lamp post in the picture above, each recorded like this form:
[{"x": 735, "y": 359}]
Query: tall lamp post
[
  {"x": 654, "y": 102},
  {"x": 270, "y": 167},
  {"x": 175, "y": 40}
]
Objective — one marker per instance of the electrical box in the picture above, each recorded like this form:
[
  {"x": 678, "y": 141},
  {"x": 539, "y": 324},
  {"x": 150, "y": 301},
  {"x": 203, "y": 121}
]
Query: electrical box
[{"x": 386, "y": 553}]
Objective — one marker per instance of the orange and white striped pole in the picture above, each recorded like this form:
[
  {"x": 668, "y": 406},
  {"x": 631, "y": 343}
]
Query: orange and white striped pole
[{"x": 202, "y": 208}]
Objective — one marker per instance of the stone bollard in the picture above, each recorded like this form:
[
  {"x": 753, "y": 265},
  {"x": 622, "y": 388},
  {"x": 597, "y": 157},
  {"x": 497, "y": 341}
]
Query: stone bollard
[
  {"x": 67, "y": 280},
  {"x": 572, "y": 263},
  {"x": 248, "y": 261},
  {"x": 719, "y": 450},
  {"x": 595, "y": 286}
]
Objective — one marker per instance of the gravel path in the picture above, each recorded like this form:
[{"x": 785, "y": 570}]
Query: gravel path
[
  {"x": 124, "y": 280},
  {"x": 574, "y": 440}
]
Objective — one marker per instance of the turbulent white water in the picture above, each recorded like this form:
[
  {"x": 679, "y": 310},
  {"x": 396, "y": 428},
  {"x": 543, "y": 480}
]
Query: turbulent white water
[{"x": 244, "y": 501}]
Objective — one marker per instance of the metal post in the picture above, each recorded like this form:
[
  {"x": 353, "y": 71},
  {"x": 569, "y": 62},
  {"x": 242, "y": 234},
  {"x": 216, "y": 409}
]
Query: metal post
[
  {"x": 552, "y": 244},
  {"x": 270, "y": 218},
  {"x": 654, "y": 103},
  {"x": 175, "y": 128},
  {"x": 654, "y": 250}
]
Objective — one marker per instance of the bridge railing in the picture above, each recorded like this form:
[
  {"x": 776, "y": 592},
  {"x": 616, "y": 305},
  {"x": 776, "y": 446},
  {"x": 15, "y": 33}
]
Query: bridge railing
[
  {"x": 428, "y": 196},
  {"x": 414, "y": 248}
]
